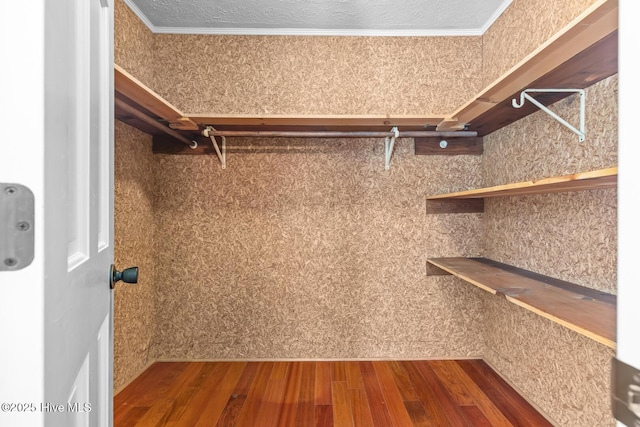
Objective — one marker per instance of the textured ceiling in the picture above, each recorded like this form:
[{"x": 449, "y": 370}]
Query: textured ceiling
[{"x": 320, "y": 17}]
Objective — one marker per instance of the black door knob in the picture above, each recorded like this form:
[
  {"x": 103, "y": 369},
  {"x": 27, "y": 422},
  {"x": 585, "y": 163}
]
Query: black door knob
[{"x": 129, "y": 275}]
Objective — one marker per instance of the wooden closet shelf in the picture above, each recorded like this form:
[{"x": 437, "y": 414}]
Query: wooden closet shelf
[
  {"x": 581, "y": 54},
  {"x": 587, "y": 311},
  {"x": 135, "y": 93},
  {"x": 317, "y": 122},
  {"x": 592, "y": 180}
]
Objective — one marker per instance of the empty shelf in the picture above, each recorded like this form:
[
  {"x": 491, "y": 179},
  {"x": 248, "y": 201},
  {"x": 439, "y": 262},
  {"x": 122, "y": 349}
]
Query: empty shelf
[{"x": 584, "y": 310}]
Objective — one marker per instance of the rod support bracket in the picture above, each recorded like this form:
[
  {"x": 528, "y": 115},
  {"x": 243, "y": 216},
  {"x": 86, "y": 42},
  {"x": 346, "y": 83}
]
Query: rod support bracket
[
  {"x": 221, "y": 151},
  {"x": 389, "y": 143},
  {"x": 524, "y": 95}
]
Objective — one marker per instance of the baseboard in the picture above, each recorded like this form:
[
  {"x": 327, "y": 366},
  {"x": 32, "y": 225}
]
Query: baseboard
[{"x": 336, "y": 359}]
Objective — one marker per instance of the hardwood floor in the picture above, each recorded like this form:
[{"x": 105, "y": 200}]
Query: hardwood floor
[{"x": 322, "y": 394}]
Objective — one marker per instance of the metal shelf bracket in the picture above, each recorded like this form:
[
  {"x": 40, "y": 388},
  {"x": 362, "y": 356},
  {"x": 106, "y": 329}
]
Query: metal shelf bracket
[
  {"x": 220, "y": 151},
  {"x": 525, "y": 95},
  {"x": 389, "y": 143}
]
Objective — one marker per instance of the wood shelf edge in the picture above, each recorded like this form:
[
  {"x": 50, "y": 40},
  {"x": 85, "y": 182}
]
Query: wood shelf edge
[
  {"x": 582, "y": 331},
  {"x": 607, "y": 338},
  {"x": 385, "y": 121},
  {"x": 590, "y": 180}
]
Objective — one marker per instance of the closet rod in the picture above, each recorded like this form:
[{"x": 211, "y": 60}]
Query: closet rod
[
  {"x": 340, "y": 134},
  {"x": 151, "y": 122}
]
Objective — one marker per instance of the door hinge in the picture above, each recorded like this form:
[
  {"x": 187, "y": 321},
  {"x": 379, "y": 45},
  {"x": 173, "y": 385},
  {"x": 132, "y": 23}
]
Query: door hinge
[
  {"x": 625, "y": 393},
  {"x": 16, "y": 227}
]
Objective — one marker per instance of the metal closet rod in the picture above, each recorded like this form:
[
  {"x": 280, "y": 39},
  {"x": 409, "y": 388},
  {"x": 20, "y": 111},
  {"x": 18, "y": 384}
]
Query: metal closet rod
[{"x": 341, "y": 134}]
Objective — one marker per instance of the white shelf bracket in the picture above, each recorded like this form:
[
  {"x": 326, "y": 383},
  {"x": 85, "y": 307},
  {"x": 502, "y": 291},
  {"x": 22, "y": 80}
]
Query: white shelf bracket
[
  {"x": 525, "y": 95},
  {"x": 389, "y": 143},
  {"x": 220, "y": 151}
]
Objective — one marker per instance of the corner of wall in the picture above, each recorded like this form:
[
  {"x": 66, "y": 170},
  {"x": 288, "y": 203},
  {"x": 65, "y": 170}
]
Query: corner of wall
[
  {"x": 134, "y": 231},
  {"x": 570, "y": 236}
]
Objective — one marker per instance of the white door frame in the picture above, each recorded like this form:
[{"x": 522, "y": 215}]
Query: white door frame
[
  {"x": 628, "y": 337},
  {"x": 22, "y": 308},
  {"x": 32, "y": 301}
]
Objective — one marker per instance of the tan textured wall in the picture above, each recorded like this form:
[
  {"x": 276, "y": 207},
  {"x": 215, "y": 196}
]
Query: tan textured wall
[
  {"x": 310, "y": 249},
  {"x": 524, "y": 26},
  {"x": 563, "y": 373},
  {"x": 133, "y": 44},
  {"x": 317, "y": 75},
  {"x": 571, "y": 236},
  {"x": 134, "y": 306}
]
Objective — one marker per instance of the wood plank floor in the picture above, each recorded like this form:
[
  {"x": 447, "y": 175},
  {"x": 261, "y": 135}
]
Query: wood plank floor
[{"x": 322, "y": 394}]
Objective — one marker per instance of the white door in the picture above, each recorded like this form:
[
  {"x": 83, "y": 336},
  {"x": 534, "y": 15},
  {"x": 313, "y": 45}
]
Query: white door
[
  {"x": 56, "y": 95},
  {"x": 628, "y": 349}
]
